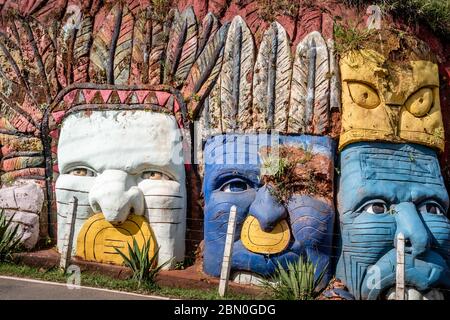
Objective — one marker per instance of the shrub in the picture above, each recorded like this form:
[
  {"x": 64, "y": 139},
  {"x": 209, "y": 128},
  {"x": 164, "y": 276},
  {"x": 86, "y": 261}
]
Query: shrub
[
  {"x": 294, "y": 283},
  {"x": 143, "y": 266}
]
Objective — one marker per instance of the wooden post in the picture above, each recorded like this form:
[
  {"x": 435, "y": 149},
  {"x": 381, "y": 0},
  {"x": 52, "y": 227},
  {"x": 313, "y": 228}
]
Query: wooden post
[
  {"x": 400, "y": 272},
  {"x": 69, "y": 228},
  {"x": 228, "y": 252}
]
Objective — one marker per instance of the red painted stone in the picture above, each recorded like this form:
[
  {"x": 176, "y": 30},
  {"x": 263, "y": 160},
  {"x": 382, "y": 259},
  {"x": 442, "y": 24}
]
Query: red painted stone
[
  {"x": 141, "y": 95},
  {"x": 58, "y": 115}
]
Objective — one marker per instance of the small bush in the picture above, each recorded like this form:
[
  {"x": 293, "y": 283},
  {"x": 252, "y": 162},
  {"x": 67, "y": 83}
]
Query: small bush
[
  {"x": 143, "y": 267},
  {"x": 294, "y": 283},
  {"x": 9, "y": 238}
]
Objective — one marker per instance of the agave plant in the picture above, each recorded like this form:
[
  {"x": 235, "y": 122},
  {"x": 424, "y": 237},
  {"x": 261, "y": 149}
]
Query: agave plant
[
  {"x": 296, "y": 282},
  {"x": 9, "y": 237},
  {"x": 143, "y": 266}
]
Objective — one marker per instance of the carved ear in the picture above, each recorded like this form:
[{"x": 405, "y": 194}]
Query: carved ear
[
  {"x": 230, "y": 101},
  {"x": 206, "y": 69},
  {"x": 182, "y": 48},
  {"x": 309, "y": 110},
  {"x": 272, "y": 80}
]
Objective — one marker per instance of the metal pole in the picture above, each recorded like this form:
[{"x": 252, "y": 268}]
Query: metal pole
[
  {"x": 228, "y": 252},
  {"x": 400, "y": 272},
  {"x": 68, "y": 235}
]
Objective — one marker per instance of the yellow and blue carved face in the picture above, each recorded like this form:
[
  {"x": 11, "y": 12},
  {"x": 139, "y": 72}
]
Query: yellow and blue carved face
[
  {"x": 387, "y": 101},
  {"x": 386, "y": 189},
  {"x": 270, "y": 229}
]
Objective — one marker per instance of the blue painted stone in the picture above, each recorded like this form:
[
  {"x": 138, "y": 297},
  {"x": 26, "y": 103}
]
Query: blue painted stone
[
  {"x": 232, "y": 177},
  {"x": 385, "y": 189}
]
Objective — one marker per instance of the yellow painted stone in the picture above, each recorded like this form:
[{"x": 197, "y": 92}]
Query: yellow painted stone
[
  {"x": 98, "y": 237},
  {"x": 390, "y": 102},
  {"x": 258, "y": 241}
]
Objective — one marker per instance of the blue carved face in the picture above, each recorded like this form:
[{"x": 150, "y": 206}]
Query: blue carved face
[
  {"x": 386, "y": 189},
  {"x": 233, "y": 177}
]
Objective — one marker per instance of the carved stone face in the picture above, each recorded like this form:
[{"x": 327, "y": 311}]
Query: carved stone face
[
  {"x": 386, "y": 189},
  {"x": 269, "y": 228},
  {"x": 390, "y": 102},
  {"x": 120, "y": 163}
]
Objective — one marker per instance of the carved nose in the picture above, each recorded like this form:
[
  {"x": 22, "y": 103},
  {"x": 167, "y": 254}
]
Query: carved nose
[
  {"x": 412, "y": 226},
  {"x": 116, "y": 195},
  {"x": 267, "y": 209}
]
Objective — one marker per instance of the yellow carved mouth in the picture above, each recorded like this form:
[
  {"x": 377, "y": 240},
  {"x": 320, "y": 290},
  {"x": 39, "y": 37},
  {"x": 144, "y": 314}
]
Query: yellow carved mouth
[
  {"x": 256, "y": 240},
  {"x": 98, "y": 237}
]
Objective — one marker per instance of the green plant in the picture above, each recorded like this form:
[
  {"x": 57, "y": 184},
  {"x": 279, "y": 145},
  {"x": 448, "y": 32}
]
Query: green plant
[
  {"x": 296, "y": 282},
  {"x": 141, "y": 264},
  {"x": 9, "y": 237}
]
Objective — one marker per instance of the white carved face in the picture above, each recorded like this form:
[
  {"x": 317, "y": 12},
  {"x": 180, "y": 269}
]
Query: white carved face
[{"x": 122, "y": 162}]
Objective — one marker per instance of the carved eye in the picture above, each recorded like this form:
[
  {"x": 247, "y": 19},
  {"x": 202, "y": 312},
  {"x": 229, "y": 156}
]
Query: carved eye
[
  {"x": 155, "y": 175},
  {"x": 419, "y": 104},
  {"x": 82, "y": 172},
  {"x": 431, "y": 207},
  {"x": 363, "y": 95},
  {"x": 375, "y": 208},
  {"x": 235, "y": 186}
]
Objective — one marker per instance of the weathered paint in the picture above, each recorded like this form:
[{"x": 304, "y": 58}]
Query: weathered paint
[
  {"x": 395, "y": 104},
  {"x": 385, "y": 189},
  {"x": 98, "y": 238}
]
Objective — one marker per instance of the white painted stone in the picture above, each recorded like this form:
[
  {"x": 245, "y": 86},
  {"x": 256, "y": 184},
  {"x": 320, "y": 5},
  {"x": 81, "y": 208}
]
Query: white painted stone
[{"x": 117, "y": 147}]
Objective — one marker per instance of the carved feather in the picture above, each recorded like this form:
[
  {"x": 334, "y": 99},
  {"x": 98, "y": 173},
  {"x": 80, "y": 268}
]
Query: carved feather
[
  {"x": 65, "y": 45},
  {"x": 182, "y": 48},
  {"x": 272, "y": 80},
  {"x": 214, "y": 108},
  {"x": 47, "y": 52},
  {"x": 236, "y": 77},
  {"x": 156, "y": 55},
  {"x": 309, "y": 103}
]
